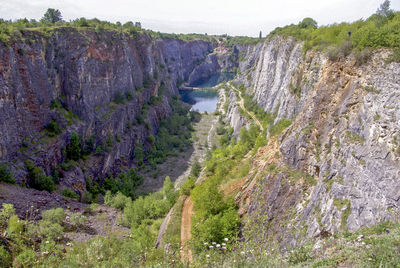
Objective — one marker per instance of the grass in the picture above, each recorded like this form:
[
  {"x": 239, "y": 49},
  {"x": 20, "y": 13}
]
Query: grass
[{"x": 354, "y": 138}]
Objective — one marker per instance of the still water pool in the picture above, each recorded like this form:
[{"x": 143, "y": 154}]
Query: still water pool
[{"x": 203, "y": 100}]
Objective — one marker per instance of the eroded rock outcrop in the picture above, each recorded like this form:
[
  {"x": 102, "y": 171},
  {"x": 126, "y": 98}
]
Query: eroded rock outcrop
[
  {"x": 94, "y": 84},
  {"x": 344, "y": 135}
]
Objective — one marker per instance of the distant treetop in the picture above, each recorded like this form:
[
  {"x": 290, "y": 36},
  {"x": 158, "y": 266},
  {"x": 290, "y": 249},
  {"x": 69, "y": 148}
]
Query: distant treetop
[
  {"x": 384, "y": 9},
  {"x": 52, "y": 15},
  {"x": 307, "y": 23}
]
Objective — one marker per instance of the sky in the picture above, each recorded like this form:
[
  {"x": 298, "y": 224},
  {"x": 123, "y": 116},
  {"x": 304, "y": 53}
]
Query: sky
[{"x": 233, "y": 17}]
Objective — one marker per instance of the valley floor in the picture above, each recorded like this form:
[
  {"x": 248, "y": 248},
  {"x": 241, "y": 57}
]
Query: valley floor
[{"x": 178, "y": 167}]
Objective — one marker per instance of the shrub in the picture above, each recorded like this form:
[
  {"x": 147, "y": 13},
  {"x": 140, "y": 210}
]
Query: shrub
[
  {"x": 5, "y": 174},
  {"x": 67, "y": 192},
  {"x": 119, "y": 98},
  {"x": 26, "y": 258},
  {"x": 5, "y": 257},
  {"x": 187, "y": 186},
  {"x": 118, "y": 201},
  {"x": 300, "y": 254},
  {"x": 125, "y": 183},
  {"x": 78, "y": 220},
  {"x": 37, "y": 178},
  {"x": 56, "y": 215},
  {"x": 363, "y": 56},
  {"x": 280, "y": 126},
  {"x": 15, "y": 226},
  {"x": 50, "y": 230},
  {"x": 128, "y": 95},
  {"x": 395, "y": 56},
  {"x": 74, "y": 147},
  {"x": 52, "y": 128},
  {"x": 6, "y": 212}
]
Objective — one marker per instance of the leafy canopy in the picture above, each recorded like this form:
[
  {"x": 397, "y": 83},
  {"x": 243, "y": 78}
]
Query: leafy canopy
[{"x": 52, "y": 15}]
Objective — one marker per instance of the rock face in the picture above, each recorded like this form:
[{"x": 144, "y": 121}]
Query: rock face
[
  {"x": 94, "y": 84},
  {"x": 345, "y": 134}
]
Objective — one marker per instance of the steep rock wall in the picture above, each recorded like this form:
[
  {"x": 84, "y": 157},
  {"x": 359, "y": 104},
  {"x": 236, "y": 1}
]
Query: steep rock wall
[
  {"x": 344, "y": 135},
  {"x": 85, "y": 72}
]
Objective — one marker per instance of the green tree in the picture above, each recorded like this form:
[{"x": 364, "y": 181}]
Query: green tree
[
  {"x": 37, "y": 178},
  {"x": 168, "y": 191},
  {"x": 384, "y": 9},
  {"x": 74, "y": 147},
  {"x": 307, "y": 23},
  {"x": 5, "y": 174},
  {"x": 52, "y": 15}
]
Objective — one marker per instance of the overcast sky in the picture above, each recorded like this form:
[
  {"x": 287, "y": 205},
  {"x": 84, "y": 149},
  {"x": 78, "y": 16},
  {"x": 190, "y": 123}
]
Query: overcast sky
[{"x": 234, "y": 17}]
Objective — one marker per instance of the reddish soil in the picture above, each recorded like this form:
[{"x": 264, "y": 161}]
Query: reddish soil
[{"x": 186, "y": 227}]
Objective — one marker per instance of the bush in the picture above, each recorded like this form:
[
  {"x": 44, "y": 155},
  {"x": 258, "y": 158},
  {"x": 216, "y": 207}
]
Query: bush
[
  {"x": 52, "y": 128},
  {"x": 363, "y": 56},
  {"x": 78, "y": 220},
  {"x": 5, "y": 174},
  {"x": 15, "y": 226},
  {"x": 5, "y": 257},
  {"x": 119, "y": 98},
  {"x": 26, "y": 258},
  {"x": 6, "y": 212},
  {"x": 56, "y": 215},
  {"x": 67, "y": 192},
  {"x": 300, "y": 254},
  {"x": 187, "y": 186},
  {"x": 279, "y": 127},
  {"x": 125, "y": 183},
  {"x": 37, "y": 178},
  {"x": 50, "y": 230},
  {"x": 118, "y": 201},
  {"x": 74, "y": 147}
]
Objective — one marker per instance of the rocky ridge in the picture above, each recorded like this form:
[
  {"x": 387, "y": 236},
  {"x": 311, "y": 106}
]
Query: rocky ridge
[
  {"x": 336, "y": 167},
  {"x": 94, "y": 84}
]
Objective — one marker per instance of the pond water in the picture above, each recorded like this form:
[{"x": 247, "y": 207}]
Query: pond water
[{"x": 205, "y": 99}]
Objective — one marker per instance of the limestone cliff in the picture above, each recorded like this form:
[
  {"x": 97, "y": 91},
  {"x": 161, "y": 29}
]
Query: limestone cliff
[
  {"x": 94, "y": 84},
  {"x": 337, "y": 166}
]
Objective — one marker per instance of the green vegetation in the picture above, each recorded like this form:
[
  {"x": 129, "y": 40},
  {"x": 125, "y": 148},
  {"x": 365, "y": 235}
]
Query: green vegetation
[
  {"x": 74, "y": 151},
  {"x": 174, "y": 136},
  {"x": 67, "y": 192},
  {"x": 52, "y": 128},
  {"x": 52, "y": 16},
  {"x": 376, "y": 246},
  {"x": 266, "y": 119},
  {"x": 37, "y": 178},
  {"x": 5, "y": 174},
  {"x": 379, "y": 30},
  {"x": 125, "y": 182},
  {"x": 354, "y": 138}
]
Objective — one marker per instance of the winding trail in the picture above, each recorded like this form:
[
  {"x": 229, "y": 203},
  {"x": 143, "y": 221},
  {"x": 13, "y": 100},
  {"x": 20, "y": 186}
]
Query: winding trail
[
  {"x": 186, "y": 226},
  {"x": 241, "y": 104}
]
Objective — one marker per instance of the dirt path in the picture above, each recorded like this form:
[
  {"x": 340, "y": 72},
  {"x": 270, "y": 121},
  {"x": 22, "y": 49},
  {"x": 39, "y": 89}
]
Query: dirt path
[
  {"x": 163, "y": 227},
  {"x": 186, "y": 226},
  {"x": 241, "y": 104}
]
